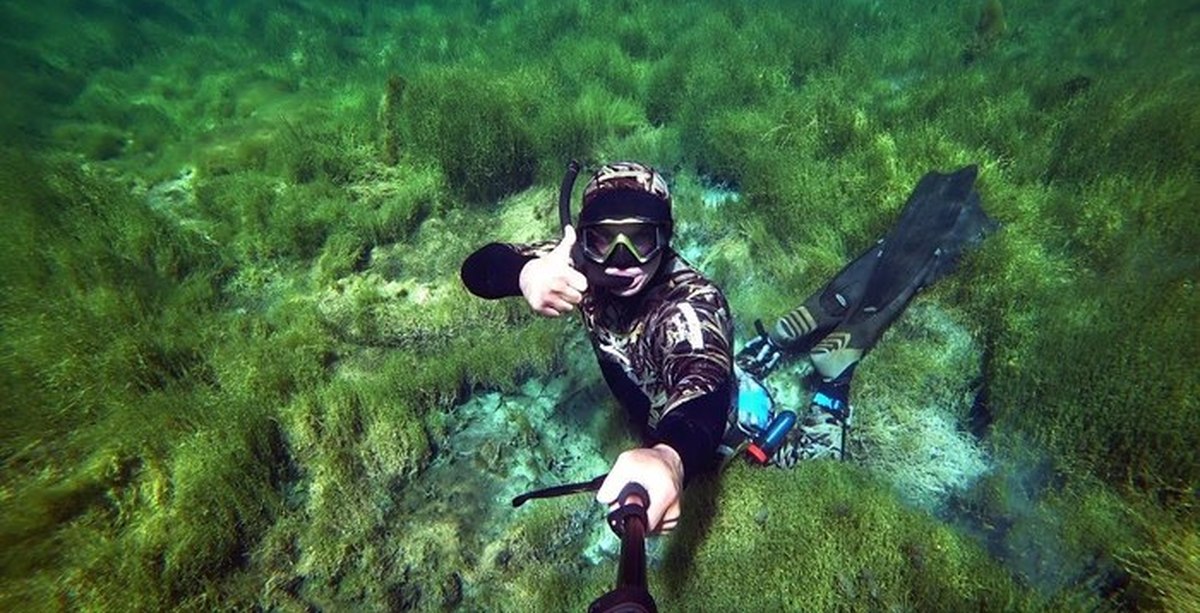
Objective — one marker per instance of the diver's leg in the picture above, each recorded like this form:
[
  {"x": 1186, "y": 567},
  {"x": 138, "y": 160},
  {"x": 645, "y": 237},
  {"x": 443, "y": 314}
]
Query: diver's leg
[
  {"x": 850, "y": 341},
  {"x": 801, "y": 328},
  {"x": 839, "y": 325},
  {"x": 827, "y": 425},
  {"x": 824, "y": 429}
]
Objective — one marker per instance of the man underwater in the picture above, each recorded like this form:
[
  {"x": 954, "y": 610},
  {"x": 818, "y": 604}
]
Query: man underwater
[{"x": 663, "y": 334}]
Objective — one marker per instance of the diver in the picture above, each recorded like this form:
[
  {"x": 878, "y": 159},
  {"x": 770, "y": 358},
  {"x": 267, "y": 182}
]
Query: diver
[{"x": 662, "y": 333}]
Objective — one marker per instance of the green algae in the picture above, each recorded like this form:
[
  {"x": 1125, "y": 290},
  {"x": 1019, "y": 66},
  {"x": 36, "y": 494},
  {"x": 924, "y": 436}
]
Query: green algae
[
  {"x": 825, "y": 536},
  {"x": 472, "y": 126},
  {"x": 217, "y": 399}
]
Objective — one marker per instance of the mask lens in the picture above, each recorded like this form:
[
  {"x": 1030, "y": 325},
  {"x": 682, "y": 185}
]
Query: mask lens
[
  {"x": 597, "y": 243},
  {"x": 645, "y": 240}
]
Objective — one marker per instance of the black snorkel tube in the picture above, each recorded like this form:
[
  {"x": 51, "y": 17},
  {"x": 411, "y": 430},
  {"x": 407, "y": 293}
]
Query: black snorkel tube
[
  {"x": 560, "y": 490},
  {"x": 564, "y": 196},
  {"x": 594, "y": 272}
]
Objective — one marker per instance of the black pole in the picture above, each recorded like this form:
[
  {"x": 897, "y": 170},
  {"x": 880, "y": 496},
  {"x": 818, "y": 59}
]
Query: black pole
[
  {"x": 560, "y": 490},
  {"x": 631, "y": 570},
  {"x": 629, "y": 522}
]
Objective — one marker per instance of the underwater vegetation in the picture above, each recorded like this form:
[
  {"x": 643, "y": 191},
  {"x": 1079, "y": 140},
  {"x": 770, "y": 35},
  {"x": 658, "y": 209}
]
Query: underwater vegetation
[{"x": 238, "y": 370}]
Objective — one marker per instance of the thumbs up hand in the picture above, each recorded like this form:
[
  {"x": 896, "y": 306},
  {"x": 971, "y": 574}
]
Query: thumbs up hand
[{"x": 550, "y": 284}]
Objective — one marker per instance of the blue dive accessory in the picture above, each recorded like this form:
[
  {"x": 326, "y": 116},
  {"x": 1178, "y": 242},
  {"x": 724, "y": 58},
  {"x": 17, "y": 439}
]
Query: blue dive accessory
[
  {"x": 758, "y": 419},
  {"x": 769, "y": 440},
  {"x": 829, "y": 404},
  {"x": 832, "y": 397},
  {"x": 754, "y": 404}
]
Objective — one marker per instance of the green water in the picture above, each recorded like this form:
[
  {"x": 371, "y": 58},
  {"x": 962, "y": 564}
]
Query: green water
[{"x": 239, "y": 370}]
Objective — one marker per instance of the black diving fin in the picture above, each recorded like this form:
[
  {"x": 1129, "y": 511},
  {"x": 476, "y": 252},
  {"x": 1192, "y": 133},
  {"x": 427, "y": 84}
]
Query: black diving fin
[{"x": 839, "y": 323}]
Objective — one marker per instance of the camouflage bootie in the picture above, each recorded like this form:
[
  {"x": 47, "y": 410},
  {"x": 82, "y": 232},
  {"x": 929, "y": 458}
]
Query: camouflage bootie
[{"x": 820, "y": 434}]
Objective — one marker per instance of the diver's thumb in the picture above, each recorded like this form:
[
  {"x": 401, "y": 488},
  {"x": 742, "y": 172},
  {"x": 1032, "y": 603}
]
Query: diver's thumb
[{"x": 563, "y": 249}]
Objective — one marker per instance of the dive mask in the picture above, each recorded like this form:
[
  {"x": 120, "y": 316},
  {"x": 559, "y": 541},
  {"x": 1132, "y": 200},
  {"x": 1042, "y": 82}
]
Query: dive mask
[{"x": 622, "y": 243}]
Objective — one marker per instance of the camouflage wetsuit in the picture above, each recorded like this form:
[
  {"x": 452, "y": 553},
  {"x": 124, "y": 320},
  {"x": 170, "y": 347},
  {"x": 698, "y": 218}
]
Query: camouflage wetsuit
[{"x": 666, "y": 353}]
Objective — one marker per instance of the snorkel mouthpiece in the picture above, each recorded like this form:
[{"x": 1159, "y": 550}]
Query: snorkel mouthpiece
[{"x": 609, "y": 282}]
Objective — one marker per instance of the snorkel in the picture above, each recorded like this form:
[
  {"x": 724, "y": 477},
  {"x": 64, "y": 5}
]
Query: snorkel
[{"x": 594, "y": 272}]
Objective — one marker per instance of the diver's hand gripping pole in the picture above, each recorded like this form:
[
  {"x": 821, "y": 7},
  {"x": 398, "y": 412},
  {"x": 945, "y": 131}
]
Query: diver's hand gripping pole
[{"x": 629, "y": 522}]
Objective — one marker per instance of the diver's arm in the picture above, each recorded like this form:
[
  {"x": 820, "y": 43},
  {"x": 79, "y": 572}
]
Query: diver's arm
[
  {"x": 682, "y": 446},
  {"x": 544, "y": 276},
  {"x": 494, "y": 270},
  {"x": 694, "y": 339},
  {"x": 694, "y": 429},
  {"x": 657, "y": 467}
]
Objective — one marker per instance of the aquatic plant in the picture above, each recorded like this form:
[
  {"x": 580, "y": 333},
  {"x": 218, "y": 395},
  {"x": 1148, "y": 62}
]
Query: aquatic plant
[
  {"x": 1083, "y": 410},
  {"x": 472, "y": 127},
  {"x": 989, "y": 29},
  {"x": 822, "y": 536},
  {"x": 389, "y": 114},
  {"x": 1169, "y": 570},
  {"x": 107, "y": 336}
]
